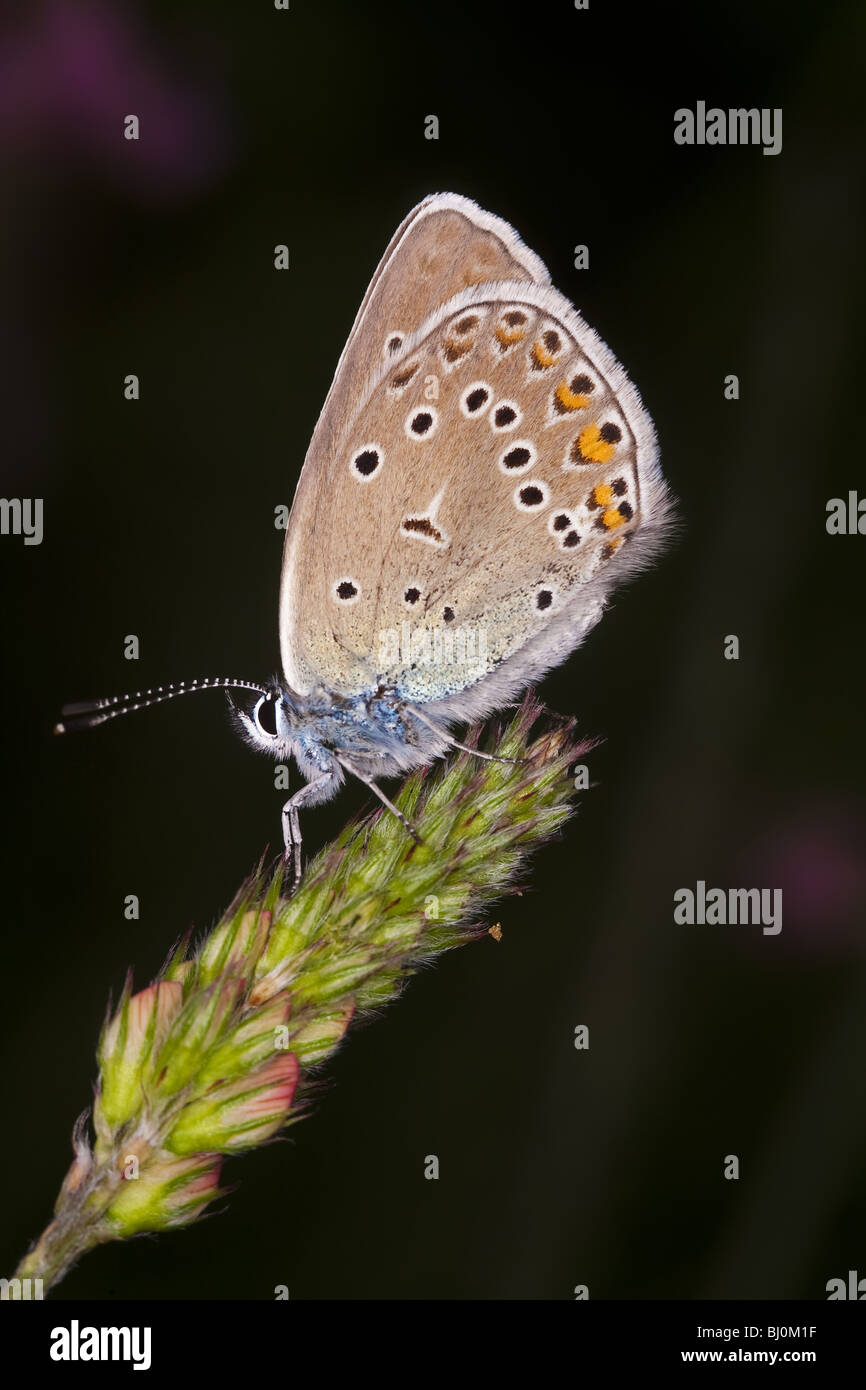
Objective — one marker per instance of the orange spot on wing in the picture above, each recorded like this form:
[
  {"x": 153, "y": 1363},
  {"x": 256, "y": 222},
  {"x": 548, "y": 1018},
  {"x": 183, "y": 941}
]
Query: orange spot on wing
[
  {"x": 572, "y": 400},
  {"x": 542, "y": 356},
  {"x": 507, "y": 336},
  {"x": 593, "y": 448},
  {"x": 613, "y": 518},
  {"x": 602, "y": 495},
  {"x": 453, "y": 349}
]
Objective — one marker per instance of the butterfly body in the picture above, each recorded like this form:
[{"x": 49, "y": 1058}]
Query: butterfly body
[{"x": 375, "y": 729}]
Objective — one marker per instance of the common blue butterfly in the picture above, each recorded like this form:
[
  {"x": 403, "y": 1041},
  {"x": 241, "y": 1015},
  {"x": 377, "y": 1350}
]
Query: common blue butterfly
[{"x": 482, "y": 475}]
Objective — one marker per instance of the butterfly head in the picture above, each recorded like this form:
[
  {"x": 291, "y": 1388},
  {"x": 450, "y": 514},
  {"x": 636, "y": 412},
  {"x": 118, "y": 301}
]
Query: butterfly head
[{"x": 270, "y": 723}]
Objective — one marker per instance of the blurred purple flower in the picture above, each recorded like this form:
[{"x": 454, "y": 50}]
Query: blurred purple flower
[
  {"x": 818, "y": 858},
  {"x": 71, "y": 70}
]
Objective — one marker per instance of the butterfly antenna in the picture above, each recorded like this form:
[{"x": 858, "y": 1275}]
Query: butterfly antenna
[{"x": 87, "y": 714}]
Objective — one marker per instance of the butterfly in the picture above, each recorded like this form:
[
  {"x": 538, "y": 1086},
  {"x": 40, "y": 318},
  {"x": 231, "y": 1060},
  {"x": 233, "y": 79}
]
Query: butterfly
[{"x": 481, "y": 477}]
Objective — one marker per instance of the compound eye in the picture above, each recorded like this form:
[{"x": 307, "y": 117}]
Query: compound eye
[{"x": 265, "y": 715}]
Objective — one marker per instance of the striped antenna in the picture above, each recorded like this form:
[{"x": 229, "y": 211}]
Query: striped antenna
[{"x": 86, "y": 714}]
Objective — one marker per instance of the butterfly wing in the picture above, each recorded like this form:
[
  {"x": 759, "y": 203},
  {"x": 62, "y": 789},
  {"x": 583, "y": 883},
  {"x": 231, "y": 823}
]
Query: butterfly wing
[
  {"x": 486, "y": 486},
  {"x": 446, "y": 244}
]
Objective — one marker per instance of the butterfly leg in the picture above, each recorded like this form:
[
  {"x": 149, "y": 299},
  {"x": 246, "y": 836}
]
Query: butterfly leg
[
  {"x": 313, "y": 791},
  {"x": 454, "y": 743},
  {"x": 368, "y": 782}
]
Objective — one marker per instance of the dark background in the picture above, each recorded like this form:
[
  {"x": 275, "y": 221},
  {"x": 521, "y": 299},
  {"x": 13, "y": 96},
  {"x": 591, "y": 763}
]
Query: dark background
[{"x": 558, "y": 1167}]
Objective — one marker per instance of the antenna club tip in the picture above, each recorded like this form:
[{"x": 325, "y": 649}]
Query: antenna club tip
[{"x": 59, "y": 728}]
